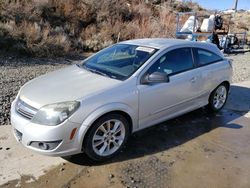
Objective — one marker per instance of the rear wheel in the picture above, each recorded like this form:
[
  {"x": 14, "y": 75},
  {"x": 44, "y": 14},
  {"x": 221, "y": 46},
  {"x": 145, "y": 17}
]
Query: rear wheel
[
  {"x": 106, "y": 137},
  {"x": 218, "y": 98}
]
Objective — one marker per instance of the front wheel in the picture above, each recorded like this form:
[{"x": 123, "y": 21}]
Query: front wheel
[
  {"x": 218, "y": 98},
  {"x": 106, "y": 137}
]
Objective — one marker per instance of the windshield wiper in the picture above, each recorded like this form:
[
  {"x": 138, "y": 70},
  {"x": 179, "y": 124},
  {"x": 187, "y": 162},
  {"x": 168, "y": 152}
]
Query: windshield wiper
[{"x": 97, "y": 71}]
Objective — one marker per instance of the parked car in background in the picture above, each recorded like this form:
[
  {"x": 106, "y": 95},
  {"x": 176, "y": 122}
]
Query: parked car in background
[{"x": 94, "y": 106}]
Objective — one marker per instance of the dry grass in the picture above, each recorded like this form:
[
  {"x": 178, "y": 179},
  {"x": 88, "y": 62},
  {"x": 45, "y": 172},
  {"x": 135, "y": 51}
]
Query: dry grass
[
  {"x": 242, "y": 22},
  {"x": 58, "y": 27}
]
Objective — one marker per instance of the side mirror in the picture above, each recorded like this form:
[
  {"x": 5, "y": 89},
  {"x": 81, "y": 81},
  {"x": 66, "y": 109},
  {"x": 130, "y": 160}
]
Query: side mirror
[{"x": 155, "y": 77}]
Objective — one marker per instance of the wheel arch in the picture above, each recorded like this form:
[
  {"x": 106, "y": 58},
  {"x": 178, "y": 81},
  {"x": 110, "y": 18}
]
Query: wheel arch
[
  {"x": 120, "y": 112},
  {"x": 120, "y": 108},
  {"x": 227, "y": 83}
]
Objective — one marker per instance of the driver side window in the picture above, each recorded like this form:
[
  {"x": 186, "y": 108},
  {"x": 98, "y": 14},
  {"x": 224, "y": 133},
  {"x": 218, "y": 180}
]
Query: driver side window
[{"x": 173, "y": 62}]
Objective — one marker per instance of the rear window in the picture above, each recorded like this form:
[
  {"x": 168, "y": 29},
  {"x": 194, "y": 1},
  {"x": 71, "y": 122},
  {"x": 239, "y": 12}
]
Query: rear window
[{"x": 205, "y": 57}]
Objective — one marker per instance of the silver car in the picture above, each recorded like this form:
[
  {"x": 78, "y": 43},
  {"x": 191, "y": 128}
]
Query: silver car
[{"x": 94, "y": 106}]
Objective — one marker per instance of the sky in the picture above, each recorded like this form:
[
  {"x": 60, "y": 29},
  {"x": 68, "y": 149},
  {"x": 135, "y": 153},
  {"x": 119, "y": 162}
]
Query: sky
[{"x": 223, "y": 4}]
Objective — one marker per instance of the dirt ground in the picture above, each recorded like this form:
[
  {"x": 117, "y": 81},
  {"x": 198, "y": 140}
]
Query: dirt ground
[{"x": 198, "y": 149}]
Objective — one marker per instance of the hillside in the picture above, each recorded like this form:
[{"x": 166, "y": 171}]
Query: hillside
[
  {"x": 241, "y": 23},
  {"x": 58, "y": 27}
]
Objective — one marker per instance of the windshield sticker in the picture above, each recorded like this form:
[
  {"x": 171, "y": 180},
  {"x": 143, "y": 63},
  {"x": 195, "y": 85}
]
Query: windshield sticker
[{"x": 145, "y": 49}]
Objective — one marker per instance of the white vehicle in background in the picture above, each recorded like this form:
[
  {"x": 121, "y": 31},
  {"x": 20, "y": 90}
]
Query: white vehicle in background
[{"x": 93, "y": 107}]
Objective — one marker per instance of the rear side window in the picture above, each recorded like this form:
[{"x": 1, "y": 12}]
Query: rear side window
[
  {"x": 205, "y": 57},
  {"x": 173, "y": 62}
]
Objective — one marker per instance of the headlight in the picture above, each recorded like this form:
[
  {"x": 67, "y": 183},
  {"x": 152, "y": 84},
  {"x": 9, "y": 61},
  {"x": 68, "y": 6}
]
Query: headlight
[{"x": 54, "y": 114}]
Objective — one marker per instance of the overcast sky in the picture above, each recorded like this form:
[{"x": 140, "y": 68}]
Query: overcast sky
[{"x": 223, "y": 4}]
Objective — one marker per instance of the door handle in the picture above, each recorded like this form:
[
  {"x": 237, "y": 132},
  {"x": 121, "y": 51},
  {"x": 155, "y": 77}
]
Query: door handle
[{"x": 193, "y": 79}]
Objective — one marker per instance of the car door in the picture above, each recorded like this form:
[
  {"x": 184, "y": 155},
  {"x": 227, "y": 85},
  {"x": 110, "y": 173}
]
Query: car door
[
  {"x": 161, "y": 101},
  {"x": 211, "y": 67}
]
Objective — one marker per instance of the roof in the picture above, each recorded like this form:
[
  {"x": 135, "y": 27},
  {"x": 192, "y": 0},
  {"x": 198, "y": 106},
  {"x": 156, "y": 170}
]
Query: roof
[
  {"x": 158, "y": 43},
  {"x": 163, "y": 43}
]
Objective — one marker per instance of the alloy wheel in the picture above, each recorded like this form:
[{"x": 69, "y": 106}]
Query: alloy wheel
[
  {"x": 220, "y": 97},
  {"x": 108, "y": 137}
]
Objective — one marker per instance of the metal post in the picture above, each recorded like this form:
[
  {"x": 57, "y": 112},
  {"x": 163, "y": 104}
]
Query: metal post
[
  {"x": 118, "y": 37},
  {"x": 244, "y": 39},
  {"x": 194, "y": 22},
  {"x": 177, "y": 26},
  {"x": 235, "y": 5}
]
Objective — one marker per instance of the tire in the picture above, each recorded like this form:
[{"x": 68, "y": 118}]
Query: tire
[
  {"x": 101, "y": 142},
  {"x": 218, "y": 98}
]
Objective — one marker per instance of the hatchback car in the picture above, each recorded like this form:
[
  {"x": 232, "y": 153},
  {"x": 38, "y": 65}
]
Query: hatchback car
[{"x": 94, "y": 106}]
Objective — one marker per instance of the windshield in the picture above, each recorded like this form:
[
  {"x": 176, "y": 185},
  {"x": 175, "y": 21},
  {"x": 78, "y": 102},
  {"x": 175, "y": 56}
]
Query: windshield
[{"x": 119, "y": 61}]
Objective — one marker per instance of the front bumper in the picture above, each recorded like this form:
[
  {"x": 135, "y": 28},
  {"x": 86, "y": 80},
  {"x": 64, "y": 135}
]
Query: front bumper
[{"x": 26, "y": 132}]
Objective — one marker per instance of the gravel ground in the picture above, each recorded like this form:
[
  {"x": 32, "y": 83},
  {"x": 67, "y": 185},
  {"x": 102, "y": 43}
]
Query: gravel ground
[
  {"x": 241, "y": 67},
  {"x": 14, "y": 72}
]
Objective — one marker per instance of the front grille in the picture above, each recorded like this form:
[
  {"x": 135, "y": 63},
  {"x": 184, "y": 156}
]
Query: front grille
[{"x": 24, "y": 109}]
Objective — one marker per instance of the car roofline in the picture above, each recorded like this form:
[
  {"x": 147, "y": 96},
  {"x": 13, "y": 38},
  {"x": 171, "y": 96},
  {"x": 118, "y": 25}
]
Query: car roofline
[{"x": 164, "y": 43}]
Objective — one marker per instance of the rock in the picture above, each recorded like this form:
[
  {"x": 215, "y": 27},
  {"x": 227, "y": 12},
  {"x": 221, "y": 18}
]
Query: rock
[
  {"x": 111, "y": 176},
  {"x": 62, "y": 169},
  {"x": 171, "y": 163}
]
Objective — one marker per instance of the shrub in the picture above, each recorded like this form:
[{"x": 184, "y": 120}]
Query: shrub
[{"x": 59, "y": 27}]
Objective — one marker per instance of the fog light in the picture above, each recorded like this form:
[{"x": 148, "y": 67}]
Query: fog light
[{"x": 45, "y": 145}]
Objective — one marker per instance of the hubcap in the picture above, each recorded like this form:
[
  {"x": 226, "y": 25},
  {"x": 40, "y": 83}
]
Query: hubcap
[
  {"x": 220, "y": 97},
  {"x": 108, "y": 137}
]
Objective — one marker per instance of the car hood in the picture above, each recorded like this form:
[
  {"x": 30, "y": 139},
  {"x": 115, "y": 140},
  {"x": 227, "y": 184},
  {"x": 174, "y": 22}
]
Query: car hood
[{"x": 67, "y": 84}]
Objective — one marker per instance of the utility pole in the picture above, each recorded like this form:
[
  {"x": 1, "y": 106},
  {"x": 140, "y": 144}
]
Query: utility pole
[{"x": 235, "y": 5}]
